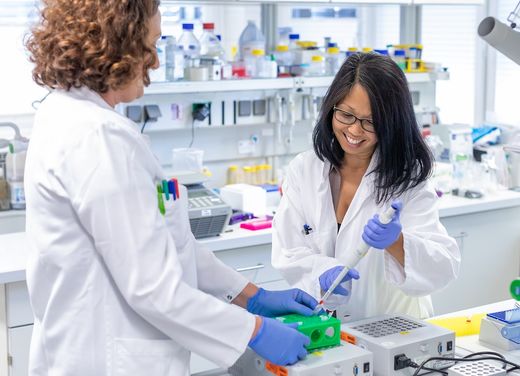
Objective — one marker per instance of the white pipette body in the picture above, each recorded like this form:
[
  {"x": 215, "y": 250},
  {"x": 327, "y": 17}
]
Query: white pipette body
[{"x": 353, "y": 259}]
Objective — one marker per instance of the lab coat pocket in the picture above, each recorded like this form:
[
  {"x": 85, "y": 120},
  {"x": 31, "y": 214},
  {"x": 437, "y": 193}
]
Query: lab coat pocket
[
  {"x": 312, "y": 240},
  {"x": 141, "y": 357}
]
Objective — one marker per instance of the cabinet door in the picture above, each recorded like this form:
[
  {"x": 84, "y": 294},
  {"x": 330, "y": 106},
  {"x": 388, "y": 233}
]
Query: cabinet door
[
  {"x": 19, "y": 311},
  {"x": 254, "y": 263},
  {"x": 490, "y": 247},
  {"x": 19, "y": 345}
]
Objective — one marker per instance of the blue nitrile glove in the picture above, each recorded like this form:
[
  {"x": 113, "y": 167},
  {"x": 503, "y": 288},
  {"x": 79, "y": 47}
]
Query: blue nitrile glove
[
  {"x": 381, "y": 236},
  {"x": 279, "y": 343},
  {"x": 328, "y": 278},
  {"x": 277, "y": 303}
]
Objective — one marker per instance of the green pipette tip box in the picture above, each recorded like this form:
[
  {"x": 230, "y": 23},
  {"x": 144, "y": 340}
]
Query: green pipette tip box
[{"x": 323, "y": 331}]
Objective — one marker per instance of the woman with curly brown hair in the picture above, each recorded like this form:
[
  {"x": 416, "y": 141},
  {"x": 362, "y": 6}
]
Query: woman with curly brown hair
[{"x": 116, "y": 286}]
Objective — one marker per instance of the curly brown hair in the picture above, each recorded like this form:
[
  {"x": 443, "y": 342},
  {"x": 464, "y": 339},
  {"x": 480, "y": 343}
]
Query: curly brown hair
[{"x": 100, "y": 44}]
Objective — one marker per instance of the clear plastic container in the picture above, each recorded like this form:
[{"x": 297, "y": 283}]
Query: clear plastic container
[
  {"x": 254, "y": 63},
  {"x": 248, "y": 175},
  {"x": 250, "y": 39},
  {"x": 400, "y": 58},
  {"x": 461, "y": 163},
  {"x": 190, "y": 45},
  {"x": 174, "y": 60},
  {"x": 316, "y": 67},
  {"x": 210, "y": 44},
  {"x": 267, "y": 67},
  {"x": 333, "y": 61},
  {"x": 15, "y": 167},
  {"x": 4, "y": 187},
  {"x": 293, "y": 42},
  {"x": 283, "y": 35},
  {"x": 283, "y": 59},
  {"x": 232, "y": 175},
  {"x": 159, "y": 74}
]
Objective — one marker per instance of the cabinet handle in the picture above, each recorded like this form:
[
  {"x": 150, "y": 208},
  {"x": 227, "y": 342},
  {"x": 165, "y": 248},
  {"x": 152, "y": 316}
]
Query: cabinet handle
[
  {"x": 460, "y": 240},
  {"x": 249, "y": 268}
]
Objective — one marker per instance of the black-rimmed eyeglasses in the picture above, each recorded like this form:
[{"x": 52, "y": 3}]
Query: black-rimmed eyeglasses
[{"x": 347, "y": 118}]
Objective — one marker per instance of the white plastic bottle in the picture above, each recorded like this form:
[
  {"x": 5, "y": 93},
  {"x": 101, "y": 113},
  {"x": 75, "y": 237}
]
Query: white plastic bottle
[
  {"x": 250, "y": 39},
  {"x": 254, "y": 63},
  {"x": 174, "y": 60},
  {"x": 283, "y": 60},
  {"x": 293, "y": 42},
  {"x": 316, "y": 67},
  {"x": 210, "y": 44},
  {"x": 333, "y": 61},
  {"x": 267, "y": 67},
  {"x": 190, "y": 45},
  {"x": 159, "y": 74}
]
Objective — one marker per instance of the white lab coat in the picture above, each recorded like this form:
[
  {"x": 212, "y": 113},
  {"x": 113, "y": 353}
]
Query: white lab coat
[
  {"x": 116, "y": 288},
  {"x": 432, "y": 258}
]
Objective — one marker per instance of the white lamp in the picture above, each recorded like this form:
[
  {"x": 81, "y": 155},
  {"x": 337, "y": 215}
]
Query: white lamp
[{"x": 502, "y": 37}]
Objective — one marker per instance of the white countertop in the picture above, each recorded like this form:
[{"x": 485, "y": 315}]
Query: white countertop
[
  {"x": 13, "y": 257},
  {"x": 450, "y": 205},
  {"x": 13, "y": 247}
]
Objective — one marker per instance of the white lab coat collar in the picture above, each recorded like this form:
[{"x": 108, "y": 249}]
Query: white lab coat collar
[{"x": 84, "y": 93}]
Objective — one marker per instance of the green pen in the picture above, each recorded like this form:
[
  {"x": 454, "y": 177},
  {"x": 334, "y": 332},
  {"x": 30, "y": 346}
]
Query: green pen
[{"x": 160, "y": 199}]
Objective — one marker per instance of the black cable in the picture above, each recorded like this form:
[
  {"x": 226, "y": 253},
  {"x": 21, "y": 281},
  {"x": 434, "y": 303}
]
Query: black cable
[
  {"x": 434, "y": 370},
  {"x": 498, "y": 359},
  {"x": 144, "y": 125},
  {"x": 415, "y": 365},
  {"x": 486, "y": 353},
  {"x": 512, "y": 369},
  {"x": 192, "y": 133}
]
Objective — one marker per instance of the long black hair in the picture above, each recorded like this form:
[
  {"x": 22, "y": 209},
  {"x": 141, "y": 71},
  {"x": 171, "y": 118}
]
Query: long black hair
[{"x": 404, "y": 160}]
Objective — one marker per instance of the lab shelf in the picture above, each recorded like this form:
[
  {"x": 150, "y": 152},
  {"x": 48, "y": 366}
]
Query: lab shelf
[
  {"x": 186, "y": 87},
  {"x": 12, "y": 213}
]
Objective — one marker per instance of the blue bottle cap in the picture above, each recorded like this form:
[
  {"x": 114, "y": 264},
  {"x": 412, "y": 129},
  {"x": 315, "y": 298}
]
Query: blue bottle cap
[
  {"x": 332, "y": 44},
  {"x": 187, "y": 26},
  {"x": 294, "y": 36},
  {"x": 382, "y": 52},
  {"x": 399, "y": 53}
]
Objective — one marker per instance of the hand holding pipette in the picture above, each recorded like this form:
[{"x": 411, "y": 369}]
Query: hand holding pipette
[{"x": 383, "y": 229}]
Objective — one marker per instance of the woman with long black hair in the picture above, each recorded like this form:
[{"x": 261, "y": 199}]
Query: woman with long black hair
[{"x": 368, "y": 155}]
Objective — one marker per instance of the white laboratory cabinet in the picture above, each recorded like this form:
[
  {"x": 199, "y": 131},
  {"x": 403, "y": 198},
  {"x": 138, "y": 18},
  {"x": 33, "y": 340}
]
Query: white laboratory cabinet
[{"x": 490, "y": 246}]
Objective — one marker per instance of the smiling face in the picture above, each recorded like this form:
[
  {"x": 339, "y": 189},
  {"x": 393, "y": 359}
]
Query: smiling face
[{"x": 353, "y": 139}]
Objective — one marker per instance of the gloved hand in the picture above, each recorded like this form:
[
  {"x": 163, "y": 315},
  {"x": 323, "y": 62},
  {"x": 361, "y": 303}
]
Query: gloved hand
[
  {"x": 276, "y": 303},
  {"x": 381, "y": 236},
  {"x": 279, "y": 343},
  {"x": 328, "y": 277}
]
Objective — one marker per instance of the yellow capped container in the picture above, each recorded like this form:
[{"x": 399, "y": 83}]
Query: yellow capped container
[
  {"x": 248, "y": 175},
  {"x": 317, "y": 58},
  {"x": 258, "y": 52},
  {"x": 333, "y": 50},
  {"x": 368, "y": 49},
  {"x": 282, "y": 48},
  {"x": 232, "y": 175}
]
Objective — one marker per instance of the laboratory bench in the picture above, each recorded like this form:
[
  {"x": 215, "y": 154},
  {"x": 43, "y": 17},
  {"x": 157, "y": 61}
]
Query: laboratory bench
[
  {"x": 464, "y": 345},
  {"x": 487, "y": 230}
]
